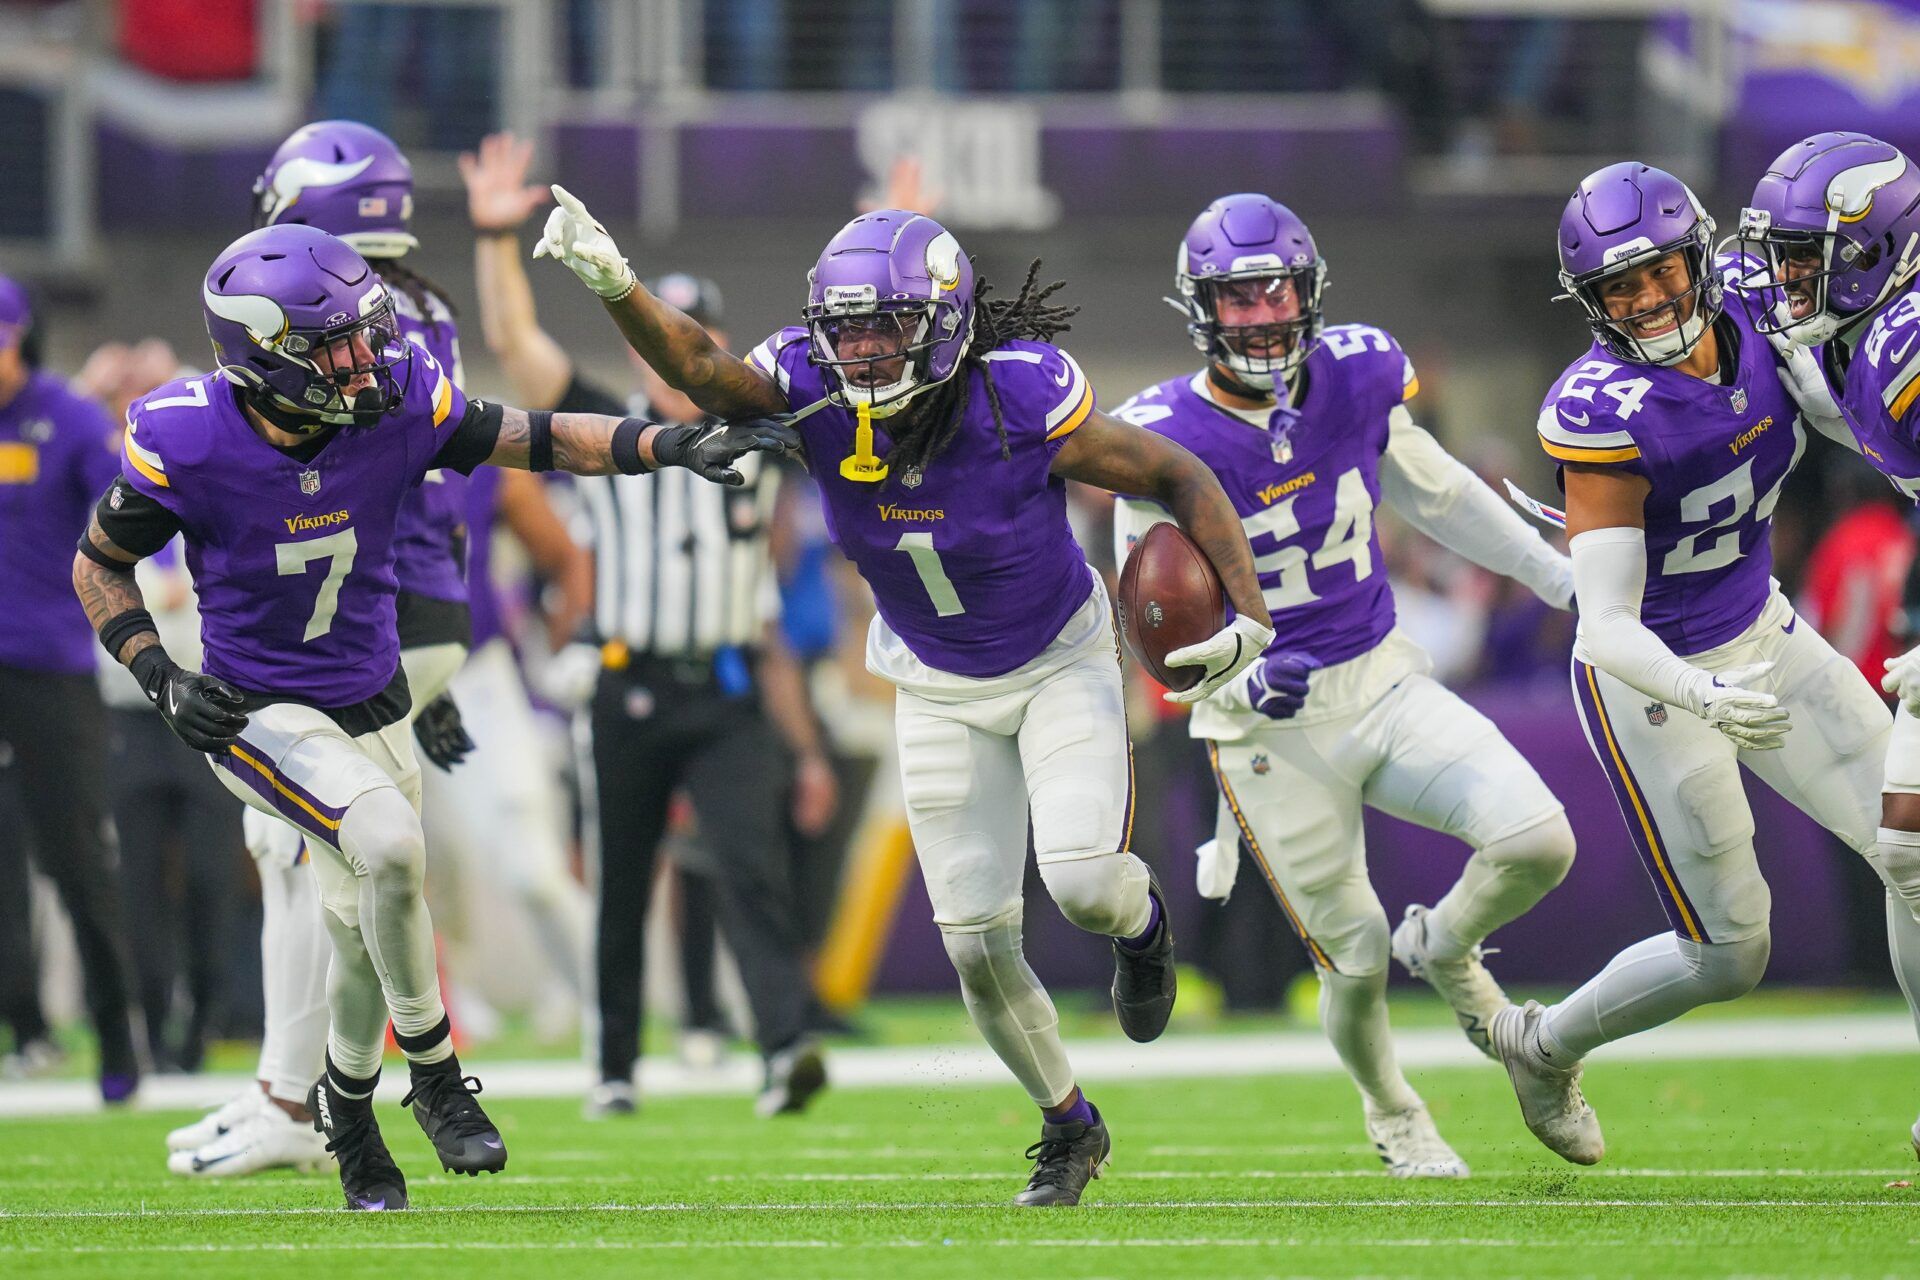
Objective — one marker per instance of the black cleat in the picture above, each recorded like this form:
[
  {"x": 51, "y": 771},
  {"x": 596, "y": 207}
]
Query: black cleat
[
  {"x": 443, "y": 1102},
  {"x": 368, "y": 1175},
  {"x": 1067, "y": 1157},
  {"x": 1143, "y": 981}
]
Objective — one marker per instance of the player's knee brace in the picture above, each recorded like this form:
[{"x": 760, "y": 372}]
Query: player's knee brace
[
  {"x": 1541, "y": 855},
  {"x": 1727, "y": 970},
  {"x": 1105, "y": 894},
  {"x": 381, "y": 836}
]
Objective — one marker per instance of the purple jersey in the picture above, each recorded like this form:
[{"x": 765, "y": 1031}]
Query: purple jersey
[
  {"x": 1305, "y": 486},
  {"x": 433, "y": 519},
  {"x": 57, "y": 453},
  {"x": 1883, "y": 388},
  {"x": 293, "y": 561},
  {"x": 1716, "y": 456},
  {"x": 971, "y": 562}
]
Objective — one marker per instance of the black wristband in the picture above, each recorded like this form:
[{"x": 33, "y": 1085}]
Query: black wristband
[
  {"x": 151, "y": 667},
  {"x": 122, "y": 627},
  {"x": 539, "y": 440},
  {"x": 626, "y": 446}
]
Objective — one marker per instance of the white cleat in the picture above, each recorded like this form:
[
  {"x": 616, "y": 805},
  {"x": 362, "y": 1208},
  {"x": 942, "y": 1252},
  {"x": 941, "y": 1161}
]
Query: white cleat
[
  {"x": 268, "y": 1138},
  {"x": 1410, "y": 1146},
  {"x": 1464, "y": 984},
  {"x": 1914, "y": 1133},
  {"x": 190, "y": 1137},
  {"x": 1550, "y": 1097}
]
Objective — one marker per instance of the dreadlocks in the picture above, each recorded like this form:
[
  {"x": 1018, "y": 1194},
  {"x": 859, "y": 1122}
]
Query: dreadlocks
[
  {"x": 932, "y": 422},
  {"x": 417, "y": 287}
]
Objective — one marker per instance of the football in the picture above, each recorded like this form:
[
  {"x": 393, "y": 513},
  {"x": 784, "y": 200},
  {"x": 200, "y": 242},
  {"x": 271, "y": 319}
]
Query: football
[{"x": 1170, "y": 597}]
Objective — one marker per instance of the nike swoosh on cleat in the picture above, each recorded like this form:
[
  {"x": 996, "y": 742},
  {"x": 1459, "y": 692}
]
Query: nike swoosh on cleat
[
  {"x": 199, "y": 1164},
  {"x": 489, "y": 1142},
  {"x": 1790, "y": 624}
]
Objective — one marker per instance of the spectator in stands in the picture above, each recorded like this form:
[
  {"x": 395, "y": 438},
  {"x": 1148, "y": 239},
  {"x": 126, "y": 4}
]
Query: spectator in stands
[{"x": 57, "y": 454}]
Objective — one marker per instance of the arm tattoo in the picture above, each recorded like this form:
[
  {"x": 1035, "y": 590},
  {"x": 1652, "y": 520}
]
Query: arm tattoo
[
  {"x": 681, "y": 352},
  {"x": 107, "y": 593},
  {"x": 582, "y": 442}
]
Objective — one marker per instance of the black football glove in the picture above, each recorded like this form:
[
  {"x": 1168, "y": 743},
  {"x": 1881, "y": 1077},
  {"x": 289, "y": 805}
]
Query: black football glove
[
  {"x": 203, "y": 711},
  {"x": 442, "y": 736},
  {"x": 710, "y": 449}
]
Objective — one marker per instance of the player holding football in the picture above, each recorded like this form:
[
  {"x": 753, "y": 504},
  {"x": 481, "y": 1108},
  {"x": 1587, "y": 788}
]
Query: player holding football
[
  {"x": 941, "y": 429},
  {"x": 1307, "y": 427},
  {"x": 286, "y": 471},
  {"x": 1836, "y": 221},
  {"x": 1674, "y": 435}
]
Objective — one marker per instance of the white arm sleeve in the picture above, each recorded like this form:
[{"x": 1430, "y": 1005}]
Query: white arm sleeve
[
  {"x": 1132, "y": 517},
  {"x": 1610, "y": 577},
  {"x": 1442, "y": 498}
]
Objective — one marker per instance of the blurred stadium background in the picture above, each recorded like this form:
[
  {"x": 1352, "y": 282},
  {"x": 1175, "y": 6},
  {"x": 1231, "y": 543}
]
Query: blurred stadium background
[{"x": 1429, "y": 143}]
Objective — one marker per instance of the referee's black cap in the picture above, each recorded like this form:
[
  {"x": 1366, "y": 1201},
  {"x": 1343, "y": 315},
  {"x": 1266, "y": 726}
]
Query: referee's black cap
[{"x": 698, "y": 296}]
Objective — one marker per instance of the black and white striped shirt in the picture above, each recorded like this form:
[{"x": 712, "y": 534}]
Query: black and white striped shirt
[{"x": 682, "y": 566}]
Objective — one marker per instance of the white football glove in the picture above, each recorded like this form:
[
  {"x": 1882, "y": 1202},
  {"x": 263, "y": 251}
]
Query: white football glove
[
  {"x": 1223, "y": 655},
  {"x": 1801, "y": 374},
  {"x": 1216, "y": 866},
  {"x": 1903, "y": 679},
  {"x": 574, "y": 238},
  {"x": 1754, "y": 721}
]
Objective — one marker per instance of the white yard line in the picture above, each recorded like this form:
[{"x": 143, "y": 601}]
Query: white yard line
[
  {"x": 996, "y": 1242},
  {"x": 1096, "y": 1061},
  {"x": 951, "y": 1206}
]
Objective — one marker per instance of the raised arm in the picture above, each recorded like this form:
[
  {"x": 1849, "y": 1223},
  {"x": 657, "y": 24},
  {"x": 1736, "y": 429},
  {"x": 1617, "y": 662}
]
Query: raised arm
[
  {"x": 1118, "y": 456},
  {"x": 671, "y": 342},
  {"x": 499, "y": 200},
  {"x": 203, "y": 711}
]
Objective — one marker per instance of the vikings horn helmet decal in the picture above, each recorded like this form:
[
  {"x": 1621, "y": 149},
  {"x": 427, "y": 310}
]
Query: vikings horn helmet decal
[
  {"x": 296, "y": 318},
  {"x": 889, "y": 309},
  {"x": 345, "y": 178},
  {"x": 1836, "y": 220}
]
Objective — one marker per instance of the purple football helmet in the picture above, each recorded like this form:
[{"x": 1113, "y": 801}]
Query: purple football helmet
[
  {"x": 1254, "y": 239},
  {"x": 1627, "y": 216},
  {"x": 297, "y": 319},
  {"x": 346, "y": 179},
  {"x": 1836, "y": 220},
  {"x": 892, "y": 288}
]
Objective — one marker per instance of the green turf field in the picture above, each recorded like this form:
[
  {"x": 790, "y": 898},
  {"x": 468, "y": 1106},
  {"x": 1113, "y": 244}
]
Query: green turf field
[{"x": 1760, "y": 1167}]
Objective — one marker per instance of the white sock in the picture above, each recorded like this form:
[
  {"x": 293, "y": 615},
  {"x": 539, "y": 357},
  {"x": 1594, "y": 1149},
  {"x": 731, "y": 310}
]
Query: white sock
[
  {"x": 1651, "y": 982},
  {"x": 1354, "y": 1013},
  {"x": 1008, "y": 1004},
  {"x": 381, "y": 837},
  {"x": 294, "y": 954},
  {"x": 1500, "y": 883}
]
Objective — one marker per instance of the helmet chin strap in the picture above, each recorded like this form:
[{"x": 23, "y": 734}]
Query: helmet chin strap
[{"x": 1225, "y": 379}]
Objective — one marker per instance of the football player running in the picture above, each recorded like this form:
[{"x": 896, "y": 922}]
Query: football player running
[
  {"x": 1307, "y": 428},
  {"x": 1836, "y": 223},
  {"x": 941, "y": 428},
  {"x": 286, "y": 471},
  {"x": 350, "y": 181},
  {"x": 1674, "y": 434}
]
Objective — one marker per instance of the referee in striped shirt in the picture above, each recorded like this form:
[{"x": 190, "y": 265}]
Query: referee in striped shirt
[{"x": 691, "y": 694}]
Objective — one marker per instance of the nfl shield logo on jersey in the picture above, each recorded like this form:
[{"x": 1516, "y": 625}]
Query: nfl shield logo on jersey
[
  {"x": 911, "y": 477},
  {"x": 1656, "y": 714},
  {"x": 1739, "y": 399},
  {"x": 310, "y": 482}
]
